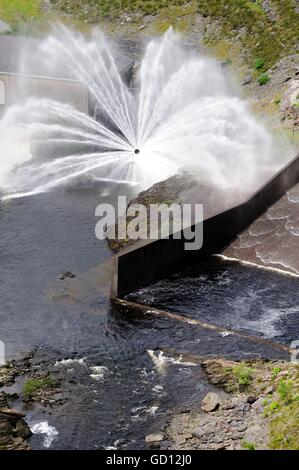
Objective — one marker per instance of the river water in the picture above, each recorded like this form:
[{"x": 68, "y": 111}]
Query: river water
[{"x": 122, "y": 370}]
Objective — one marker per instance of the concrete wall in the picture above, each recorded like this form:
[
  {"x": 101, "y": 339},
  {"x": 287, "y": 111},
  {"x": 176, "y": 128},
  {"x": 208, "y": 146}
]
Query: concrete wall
[
  {"x": 19, "y": 87},
  {"x": 150, "y": 261}
]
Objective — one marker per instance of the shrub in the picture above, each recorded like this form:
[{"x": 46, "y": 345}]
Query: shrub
[
  {"x": 243, "y": 374},
  {"x": 263, "y": 79},
  {"x": 285, "y": 389},
  {"x": 259, "y": 64},
  {"x": 248, "y": 445},
  {"x": 32, "y": 386}
]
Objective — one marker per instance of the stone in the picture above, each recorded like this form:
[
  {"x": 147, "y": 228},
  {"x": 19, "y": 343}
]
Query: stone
[
  {"x": 241, "y": 428},
  {"x": 67, "y": 275},
  {"x": 128, "y": 19},
  {"x": 210, "y": 402},
  {"x": 180, "y": 440},
  {"x": 155, "y": 437},
  {"x": 247, "y": 80},
  {"x": 269, "y": 390},
  {"x": 22, "y": 430},
  {"x": 12, "y": 413},
  {"x": 251, "y": 399},
  {"x": 237, "y": 435},
  {"x": 198, "y": 432},
  {"x": 228, "y": 405},
  {"x": 258, "y": 404},
  {"x": 283, "y": 373},
  {"x": 252, "y": 433}
]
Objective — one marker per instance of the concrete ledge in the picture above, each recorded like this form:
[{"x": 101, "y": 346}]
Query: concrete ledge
[{"x": 149, "y": 261}]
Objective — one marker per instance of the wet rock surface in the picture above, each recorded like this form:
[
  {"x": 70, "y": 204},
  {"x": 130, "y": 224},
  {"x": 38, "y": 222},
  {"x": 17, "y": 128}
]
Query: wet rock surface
[
  {"x": 37, "y": 386},
  {"x": 14, "y": 431}
]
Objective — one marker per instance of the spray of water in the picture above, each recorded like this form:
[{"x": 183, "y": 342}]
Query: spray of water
[{"x": 182, "y": 113}]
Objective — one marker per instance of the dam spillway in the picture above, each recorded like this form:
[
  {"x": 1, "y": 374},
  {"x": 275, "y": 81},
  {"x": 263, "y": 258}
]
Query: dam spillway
[{"x": 149, "y": 261}]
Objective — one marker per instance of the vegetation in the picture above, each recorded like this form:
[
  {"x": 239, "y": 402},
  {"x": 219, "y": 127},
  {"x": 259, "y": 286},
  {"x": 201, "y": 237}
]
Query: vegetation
[
  {"x": 13, "y": 11},
  {"x": 243, "y": 374},
  {"x": 284, "y": 390},
  {"x": 259, "y": 64},
  {"x": 114, "y": 8},
  {"x": 263, "y": 35},
  {"x": 284, "y": 413},
  {"x": 33, "y": 386},
  {"x": 284, "y": 428},
  {"x": 248, "y": 445},
  {"x": 263, "y": 79}
]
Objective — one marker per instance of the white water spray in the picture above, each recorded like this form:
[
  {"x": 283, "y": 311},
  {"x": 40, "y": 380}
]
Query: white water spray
[{"x": 182, "y": 114}]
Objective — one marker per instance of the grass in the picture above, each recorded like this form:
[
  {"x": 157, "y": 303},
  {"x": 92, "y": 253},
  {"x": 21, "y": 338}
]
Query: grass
[
  {"x": 262, "y": 38},
  {"x": 248, "y": 445},
  {"x": 243, "y": 374},
  {"x": 284, "y": 423},
  {"x": 285, "y": 390},
  {"x": 259, "y": 64},
  {"x": 13, "y": 11},
  {"x": 33, "y": 386},
  {"x": 284, "y": 428},
  {"x": 113, "y": 8},
  {"x": 263, "y": 79}
]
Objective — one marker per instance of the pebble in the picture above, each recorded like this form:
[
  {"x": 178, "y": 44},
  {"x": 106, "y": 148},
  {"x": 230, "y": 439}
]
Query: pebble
[{"x": 155, "y": 437}]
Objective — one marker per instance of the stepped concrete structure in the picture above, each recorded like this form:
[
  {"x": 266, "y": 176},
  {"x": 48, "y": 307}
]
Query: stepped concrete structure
[{"x": 151, "y": 260}]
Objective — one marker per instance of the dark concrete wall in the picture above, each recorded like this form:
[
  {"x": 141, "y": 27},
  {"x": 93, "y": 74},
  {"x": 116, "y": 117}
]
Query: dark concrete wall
[{"x": 150, "y": 261}]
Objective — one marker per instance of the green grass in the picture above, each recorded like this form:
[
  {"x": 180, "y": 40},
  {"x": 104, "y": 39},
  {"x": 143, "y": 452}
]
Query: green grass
[
  {"x": 263, "y": 79},
  {"x": 284, "y": 428},
  {"x": 259, "y": 64},
  {"x": 243, "y": 374},
  {"x": 113, "y": 8},
  {"x": 33, "y": 386},
  {"x": 263, "y": 38},
  {"x": 248, "y": 445},
  {"x": 14, "y": 11},
  {"x": 285, "y": 390}
]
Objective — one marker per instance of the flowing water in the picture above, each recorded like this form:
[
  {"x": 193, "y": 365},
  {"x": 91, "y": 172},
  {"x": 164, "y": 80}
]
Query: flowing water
[
  {"x": 272, "y": 240},
  {"x": 123, "y": 372}
]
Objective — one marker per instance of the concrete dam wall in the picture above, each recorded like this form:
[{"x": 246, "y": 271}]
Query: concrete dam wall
[{"x": 151, "y": 260}]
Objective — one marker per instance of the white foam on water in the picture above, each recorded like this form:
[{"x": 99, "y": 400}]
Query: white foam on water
[
  {"x": 98, "y": 372},
  {"x": 161, "y": 361},
  {"x": 259, "y": 266},
  {"x": 43, "y": 428},
  {"x": 70, "y": 362}
]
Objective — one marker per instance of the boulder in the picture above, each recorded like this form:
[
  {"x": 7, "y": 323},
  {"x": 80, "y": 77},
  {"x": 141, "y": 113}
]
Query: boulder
[{"x": 210, "y": 402}]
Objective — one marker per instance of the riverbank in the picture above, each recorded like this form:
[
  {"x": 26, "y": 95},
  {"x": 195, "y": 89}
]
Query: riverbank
[
  {"x": 255, "y": 408},
  {"x": 251, "y": 405}
]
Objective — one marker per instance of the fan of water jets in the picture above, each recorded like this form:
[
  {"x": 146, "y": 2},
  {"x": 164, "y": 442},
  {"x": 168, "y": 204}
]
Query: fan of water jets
[{"x": 180, "y": 114}]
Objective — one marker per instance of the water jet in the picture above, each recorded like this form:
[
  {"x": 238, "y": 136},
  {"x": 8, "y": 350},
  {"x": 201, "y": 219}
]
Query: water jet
[{"x": 182, "y": 111}]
